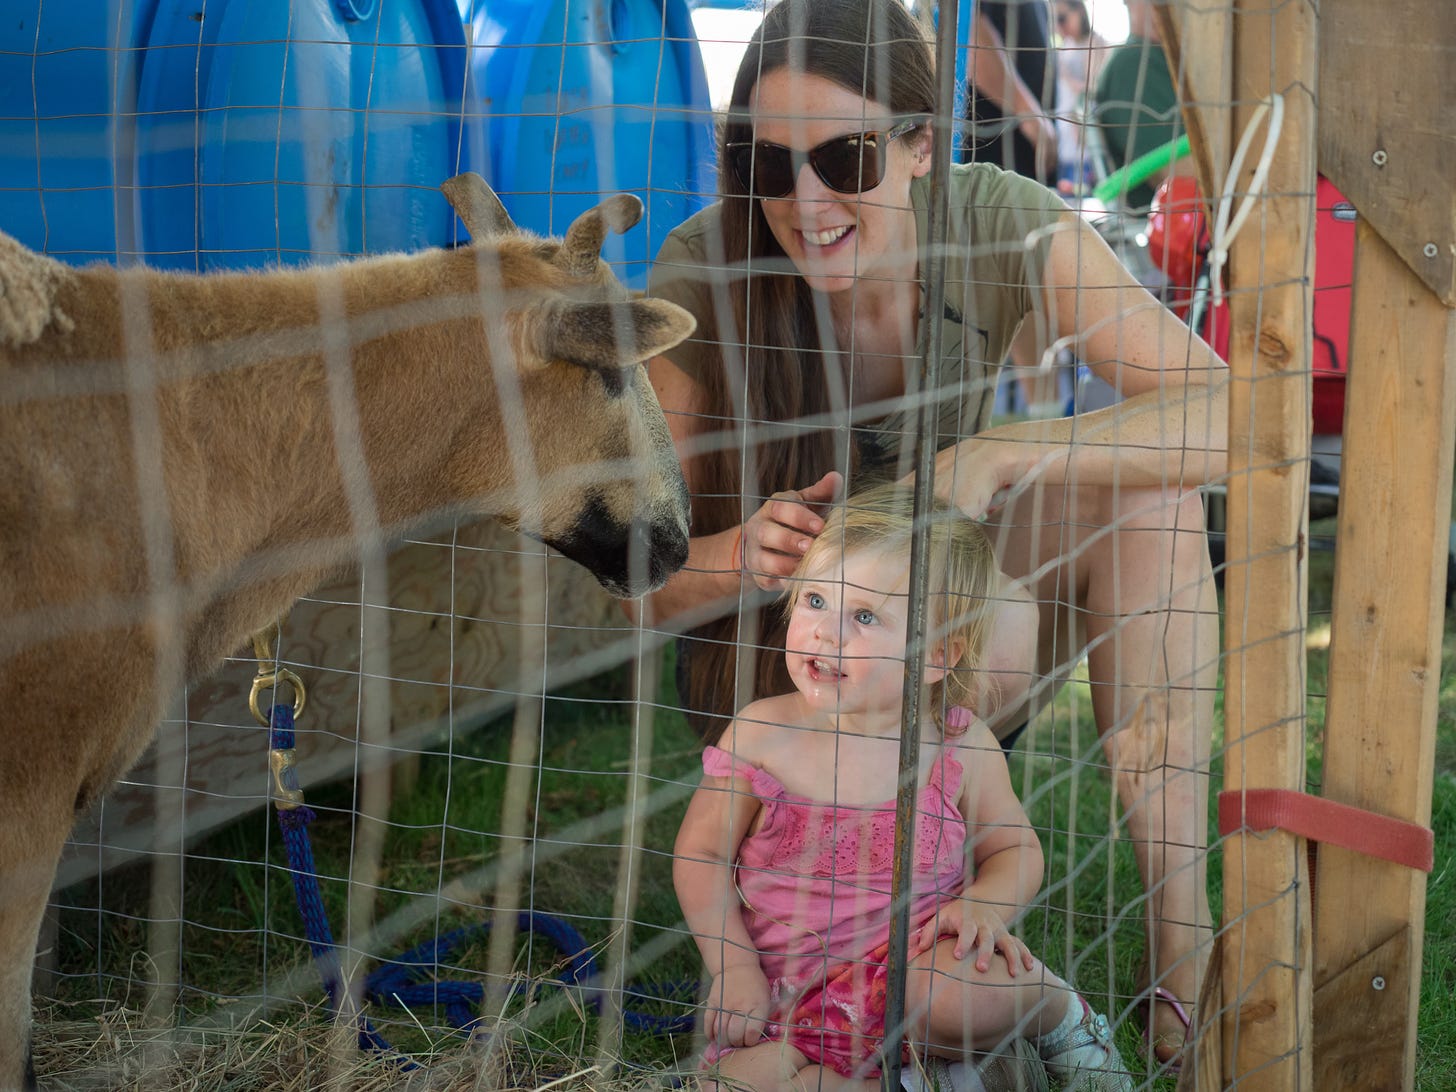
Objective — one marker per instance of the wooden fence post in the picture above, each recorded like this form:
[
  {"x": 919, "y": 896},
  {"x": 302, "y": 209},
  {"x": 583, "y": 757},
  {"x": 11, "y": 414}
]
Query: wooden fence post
[
  {"x": 1264, "y": 946},
  {"x": 1389, "y": 144}
]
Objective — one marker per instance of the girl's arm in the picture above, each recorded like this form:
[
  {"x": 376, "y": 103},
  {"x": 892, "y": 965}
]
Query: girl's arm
[
  {"x": 719, "y": 815},
  {"x": 1005, "y": 863},
  {"x": 726, "y": 567},
  {"x": 1171, "y": 429}
]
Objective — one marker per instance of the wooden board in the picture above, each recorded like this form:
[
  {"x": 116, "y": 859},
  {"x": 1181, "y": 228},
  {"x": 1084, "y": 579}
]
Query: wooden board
[
  {"x": 1385, "y": 632},
  {"x": 1388, "y": 138},
  {"x": 1198, "y": 39},
  {"x": 1265, "y": 939},
  {"x": 452, "y": 620}
]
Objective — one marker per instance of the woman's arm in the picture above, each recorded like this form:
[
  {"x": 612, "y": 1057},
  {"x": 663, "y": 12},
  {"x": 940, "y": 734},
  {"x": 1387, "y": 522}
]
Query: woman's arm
[
  {"x": 724, "y": 567},
  {"x": 1171, "y": 429}
]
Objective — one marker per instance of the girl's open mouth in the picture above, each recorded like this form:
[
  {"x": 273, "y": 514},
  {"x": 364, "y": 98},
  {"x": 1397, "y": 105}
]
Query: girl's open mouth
[{"x": 823, "y": 670}]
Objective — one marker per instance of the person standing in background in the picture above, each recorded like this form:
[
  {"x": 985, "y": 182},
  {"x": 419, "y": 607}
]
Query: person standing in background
[
  {"x": 1137, "y": 102},
  {"x": 1011, "y": 89},
  {"x": 1081, "y": 53}
]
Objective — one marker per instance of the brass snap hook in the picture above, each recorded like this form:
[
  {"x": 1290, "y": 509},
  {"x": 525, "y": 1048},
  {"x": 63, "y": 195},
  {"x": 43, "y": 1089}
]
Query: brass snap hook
[
  {"x": 266, "y": 643},
  {"x": 271, "y": 681},
  {"x": 286, "y": 792}
]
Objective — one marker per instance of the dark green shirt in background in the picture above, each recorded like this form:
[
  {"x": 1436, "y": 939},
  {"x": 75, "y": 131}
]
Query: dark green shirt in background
[{"x": 1136, "y": 108}]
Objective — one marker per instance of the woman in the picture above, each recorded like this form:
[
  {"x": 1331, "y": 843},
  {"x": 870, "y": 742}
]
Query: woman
[{"x": 807, "y": 282}]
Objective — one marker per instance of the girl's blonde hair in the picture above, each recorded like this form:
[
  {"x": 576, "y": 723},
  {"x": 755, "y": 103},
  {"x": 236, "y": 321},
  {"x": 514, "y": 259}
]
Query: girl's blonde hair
[{"x": 963, "y": 574}]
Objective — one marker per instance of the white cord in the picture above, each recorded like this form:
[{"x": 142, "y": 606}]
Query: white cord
[{"x": 1223, "y": 230}]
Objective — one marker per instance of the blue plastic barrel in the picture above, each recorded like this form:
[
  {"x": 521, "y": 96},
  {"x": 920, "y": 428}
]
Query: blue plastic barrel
[
  {"x": 314, "y": 130},
  {"x": 586, "y": 98},
  {"x": 232, "y": 134},
  {"x": 67, "y": 125}
]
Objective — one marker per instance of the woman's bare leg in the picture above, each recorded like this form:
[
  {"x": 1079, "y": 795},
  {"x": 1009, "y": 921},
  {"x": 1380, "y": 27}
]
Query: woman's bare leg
[{"x": 1126, "y": 578}]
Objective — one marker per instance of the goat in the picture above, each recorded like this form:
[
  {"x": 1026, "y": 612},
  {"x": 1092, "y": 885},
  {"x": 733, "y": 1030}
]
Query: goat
[{"x": 182, "y": 456}]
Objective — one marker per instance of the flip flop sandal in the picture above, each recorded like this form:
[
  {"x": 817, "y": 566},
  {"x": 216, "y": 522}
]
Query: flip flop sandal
[{"x": 1160, "y": 995}]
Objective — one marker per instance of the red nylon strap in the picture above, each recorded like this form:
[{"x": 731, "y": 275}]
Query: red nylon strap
[{"x": 1322, "y": 820}]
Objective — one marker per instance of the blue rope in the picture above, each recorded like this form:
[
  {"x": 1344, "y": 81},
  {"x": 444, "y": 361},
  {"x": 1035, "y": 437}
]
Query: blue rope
[{"x": 409, "y": 979}]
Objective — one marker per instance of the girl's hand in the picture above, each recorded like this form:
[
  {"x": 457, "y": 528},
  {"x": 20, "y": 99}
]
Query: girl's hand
[
  {"x": 776, "y": 536},
  {"x": 980, "y": 929},
  {"x": 738, "y": 1006}
]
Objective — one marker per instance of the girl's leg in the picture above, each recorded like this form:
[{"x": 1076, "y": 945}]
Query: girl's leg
[
  {"x": 1125, "y": 576},
  {"x": 953, "y": 1009},
  {"x": 773, "y": 1066},
  {"x": 957, "y": 1009}
]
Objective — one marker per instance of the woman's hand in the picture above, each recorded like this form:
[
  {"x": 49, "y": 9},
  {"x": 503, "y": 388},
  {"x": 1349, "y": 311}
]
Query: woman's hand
[
  {"x": 776, "y": 536},
  {"x": 978, "y": 474},
  {"x": 738, "y": 1006},
  {"x": 977, "y": 928}
]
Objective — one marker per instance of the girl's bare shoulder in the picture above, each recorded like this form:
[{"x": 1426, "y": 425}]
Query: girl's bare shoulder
[{"x": 763, "y": 727}]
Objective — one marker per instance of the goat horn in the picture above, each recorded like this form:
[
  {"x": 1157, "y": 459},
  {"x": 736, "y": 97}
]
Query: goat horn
[
  {"x": 583, "y": 243},
  {"x": 479, "y": 209}
]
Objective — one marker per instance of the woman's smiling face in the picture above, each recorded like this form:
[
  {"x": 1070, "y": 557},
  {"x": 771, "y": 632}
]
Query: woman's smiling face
[{"x": 834, "y": 237}]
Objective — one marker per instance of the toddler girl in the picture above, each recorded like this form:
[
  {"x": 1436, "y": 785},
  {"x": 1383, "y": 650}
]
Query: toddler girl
[{"x": 784, "y": 859}]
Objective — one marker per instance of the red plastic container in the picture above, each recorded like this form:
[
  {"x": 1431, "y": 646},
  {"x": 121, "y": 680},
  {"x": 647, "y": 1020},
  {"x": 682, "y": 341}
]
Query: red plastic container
[{"x": 1178, "y": 242}]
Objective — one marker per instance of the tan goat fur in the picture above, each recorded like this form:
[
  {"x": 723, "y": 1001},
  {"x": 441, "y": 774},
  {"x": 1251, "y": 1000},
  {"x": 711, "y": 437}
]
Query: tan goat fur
[{"x": 182, "y": 457}]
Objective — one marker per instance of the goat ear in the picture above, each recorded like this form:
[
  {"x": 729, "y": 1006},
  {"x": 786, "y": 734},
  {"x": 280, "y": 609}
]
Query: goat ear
[
  {"x": 611, "y": 337},
  {"x": 477, "y": 205},
  {"x": 583, "y": 243}
]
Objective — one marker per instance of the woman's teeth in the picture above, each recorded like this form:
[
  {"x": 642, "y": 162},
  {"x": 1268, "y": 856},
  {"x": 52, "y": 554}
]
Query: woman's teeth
[{"x": 824, "y": 238}]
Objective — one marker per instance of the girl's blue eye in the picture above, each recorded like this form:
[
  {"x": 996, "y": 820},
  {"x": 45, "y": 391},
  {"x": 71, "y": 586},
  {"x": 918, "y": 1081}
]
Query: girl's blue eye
[
  {"x": 815, "y": 600},
  {"x": 865, "y": 617}
]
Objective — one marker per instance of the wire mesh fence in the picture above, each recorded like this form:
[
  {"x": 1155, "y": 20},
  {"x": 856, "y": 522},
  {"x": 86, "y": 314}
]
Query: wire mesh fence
[{"x": 451, "y": 856}]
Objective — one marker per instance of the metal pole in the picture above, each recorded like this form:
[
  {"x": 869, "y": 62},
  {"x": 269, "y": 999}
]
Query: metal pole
[{"x": 932, "y": 268}]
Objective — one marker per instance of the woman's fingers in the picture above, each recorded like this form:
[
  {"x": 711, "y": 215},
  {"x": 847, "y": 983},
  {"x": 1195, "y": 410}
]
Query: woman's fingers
[
  {"x": 779, "y": 533},
  {"x": 824, "y": 490}
]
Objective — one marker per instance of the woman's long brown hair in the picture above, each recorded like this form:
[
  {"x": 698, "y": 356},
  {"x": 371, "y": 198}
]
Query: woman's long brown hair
[{"x": 774, "y": 356}]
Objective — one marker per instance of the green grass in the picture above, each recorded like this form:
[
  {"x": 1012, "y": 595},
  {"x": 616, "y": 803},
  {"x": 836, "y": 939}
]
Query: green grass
[{"x": 241, "y": 937}]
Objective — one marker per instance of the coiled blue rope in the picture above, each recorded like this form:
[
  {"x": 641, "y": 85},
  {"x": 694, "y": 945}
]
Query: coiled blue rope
[{"x": 409, "y": 980}]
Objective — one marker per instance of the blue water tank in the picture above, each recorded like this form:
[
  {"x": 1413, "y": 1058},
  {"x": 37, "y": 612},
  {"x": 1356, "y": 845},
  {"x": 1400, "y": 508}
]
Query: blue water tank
[
  {"x": 586, "y": 98},
  {"x": 233, "y": 134},
  {"x": 68, "y": 124},
  {"x": 296, "y": 132}
]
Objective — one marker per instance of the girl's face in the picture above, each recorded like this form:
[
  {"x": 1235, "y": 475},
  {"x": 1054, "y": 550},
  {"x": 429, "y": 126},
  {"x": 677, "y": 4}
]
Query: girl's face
[
  {"x": 846, "y": 637},
  {"x": 833, "y": 237}
]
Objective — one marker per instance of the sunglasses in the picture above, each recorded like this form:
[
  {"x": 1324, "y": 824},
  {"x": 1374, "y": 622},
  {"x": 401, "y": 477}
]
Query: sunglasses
[{"x": 851, "y": 163}]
